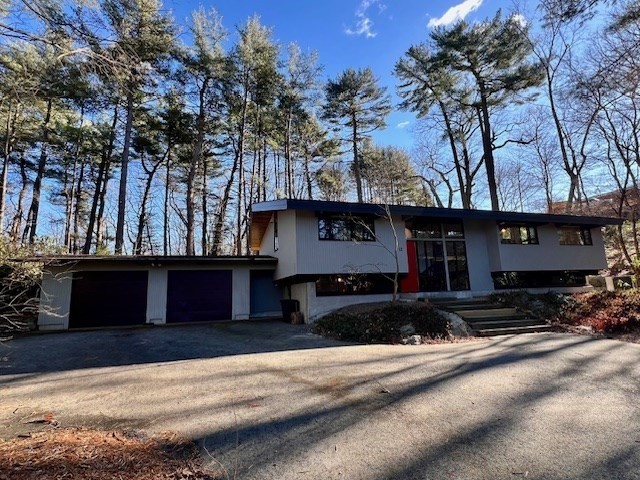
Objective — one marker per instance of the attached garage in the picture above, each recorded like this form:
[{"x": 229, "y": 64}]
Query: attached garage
[
  {"x": 111, "y": 291},
  {"x": 108, "y": 299},
  {"x": 199, "y": 295}
]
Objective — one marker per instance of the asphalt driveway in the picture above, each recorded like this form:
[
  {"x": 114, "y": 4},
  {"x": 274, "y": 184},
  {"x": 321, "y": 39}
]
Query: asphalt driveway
[{"x": 270, "y": 401}]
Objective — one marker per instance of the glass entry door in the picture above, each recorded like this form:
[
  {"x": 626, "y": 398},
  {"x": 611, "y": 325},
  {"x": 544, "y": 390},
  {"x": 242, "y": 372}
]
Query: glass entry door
[
  {"x": 432, "y": 275},
  {"x": 442, "y": 256}
]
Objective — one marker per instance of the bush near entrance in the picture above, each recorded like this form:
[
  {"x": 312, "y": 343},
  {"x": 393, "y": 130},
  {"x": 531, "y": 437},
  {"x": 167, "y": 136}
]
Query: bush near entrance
[{"x": 383, "y": 323}]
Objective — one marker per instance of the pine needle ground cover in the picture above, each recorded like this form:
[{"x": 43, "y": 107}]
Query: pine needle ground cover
[{"x": 87, "y": 454}]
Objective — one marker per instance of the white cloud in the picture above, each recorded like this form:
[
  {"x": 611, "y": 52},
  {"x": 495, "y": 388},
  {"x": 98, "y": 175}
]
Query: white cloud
[
  {"x": 364, "y": 24},
  {"x": 519, "y": 19},
  {"x": 403, "y": 124},
  {"x": 455, "y": 13}
]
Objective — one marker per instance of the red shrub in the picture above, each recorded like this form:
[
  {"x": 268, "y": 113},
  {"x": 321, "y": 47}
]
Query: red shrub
[{"x": 608, "y": 312}]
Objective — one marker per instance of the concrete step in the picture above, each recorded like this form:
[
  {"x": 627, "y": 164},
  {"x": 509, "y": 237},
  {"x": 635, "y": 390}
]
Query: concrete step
[
  {"x": 512, "y": 322},
  {"x": 492, "y": 313},
  {"x": 488, "y": 332},
  {"x": 459, "y": 301},
  {"x": 461, "y": 307}
]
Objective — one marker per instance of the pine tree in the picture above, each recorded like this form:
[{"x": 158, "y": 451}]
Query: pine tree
[
  {"x": 489, "y": 65},
  {"x": 145, "y": 37},
  {"x": 356, "y": 105}
]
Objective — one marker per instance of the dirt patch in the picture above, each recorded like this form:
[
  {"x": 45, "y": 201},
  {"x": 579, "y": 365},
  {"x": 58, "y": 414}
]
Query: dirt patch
[{"x": 88, "y": 454}]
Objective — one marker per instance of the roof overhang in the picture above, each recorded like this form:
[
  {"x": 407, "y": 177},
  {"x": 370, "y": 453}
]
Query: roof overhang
[
  {"x": 150, "y": 260},
  {"x": 408, "y": 212}
]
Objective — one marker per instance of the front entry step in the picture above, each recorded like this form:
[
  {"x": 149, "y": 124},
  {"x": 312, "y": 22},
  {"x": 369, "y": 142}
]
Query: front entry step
[{"x": 487, "y": 318}]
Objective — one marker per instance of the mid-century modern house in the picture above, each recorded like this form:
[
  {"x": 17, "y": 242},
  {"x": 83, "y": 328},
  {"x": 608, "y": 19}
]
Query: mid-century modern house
[{"x": 326, "y": 255}]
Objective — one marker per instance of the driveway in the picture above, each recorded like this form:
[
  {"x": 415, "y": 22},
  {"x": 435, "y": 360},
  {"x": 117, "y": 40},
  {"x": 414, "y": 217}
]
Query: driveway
[{"x": 270, "y": 401}]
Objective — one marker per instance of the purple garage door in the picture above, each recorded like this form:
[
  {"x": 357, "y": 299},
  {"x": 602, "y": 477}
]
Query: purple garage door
[
  {"x": 198, "y": 295},
  {"x": 108, "y": 299}
]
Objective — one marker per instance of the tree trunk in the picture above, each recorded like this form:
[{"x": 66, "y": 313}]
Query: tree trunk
[
  {"x": 6, "y": 152},
  {"x": 165, "y": 231},
  {"x": 465, "y": 193},
  {"x": 356, "y": 161},
  {"x": 487, "y": 148},
  {"x": 142, "y": 217},
  {"x": 16, "y": 224},
  {"x": 124, "y": 168},
  {"x": 32, "y": 216},
  {"x": 196, "y": 160},
  {"x": 71, "y": 195},
  {"x": 241, "y": 185},
  {"x": 78, "y": 209},
  {"x": 307, "y": 176},
  {"x": 222, "y": 212},
  {"x": 287, "y": 158},
  {"x": 205, "y": 209},
  {"x": 103, "y": 173}
]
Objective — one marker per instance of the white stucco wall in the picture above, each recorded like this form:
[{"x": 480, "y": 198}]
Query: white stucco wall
[
  {"x": 313, "y": 307},
  {"x": 286, "y": 244},
  {"x": 550, "y": 255},
  {"x": 315, "y": 256},
  {"x": 478, "y": 255}
]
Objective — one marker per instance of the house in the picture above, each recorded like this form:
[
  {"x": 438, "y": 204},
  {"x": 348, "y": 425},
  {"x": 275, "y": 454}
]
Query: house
[
  {"x": 332, "y": 254},
  {"x": 325, "y": 255}
]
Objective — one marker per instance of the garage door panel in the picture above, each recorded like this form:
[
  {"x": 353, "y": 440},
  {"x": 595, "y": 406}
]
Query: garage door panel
[
  {"x": 108, "y": 298},
  {"x": 199, "y": 295}
]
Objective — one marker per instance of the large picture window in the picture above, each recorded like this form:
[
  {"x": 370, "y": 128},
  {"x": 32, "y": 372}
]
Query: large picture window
[
  {"x": 570, "y": 235},
  {"x": 518, "y": 234},
  {"x": 343, "y": 228},
  {"x": 441, "y": 255}
]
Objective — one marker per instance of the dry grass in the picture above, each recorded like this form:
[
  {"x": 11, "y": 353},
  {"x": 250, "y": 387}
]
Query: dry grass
[{"x": 86, "y": 454}]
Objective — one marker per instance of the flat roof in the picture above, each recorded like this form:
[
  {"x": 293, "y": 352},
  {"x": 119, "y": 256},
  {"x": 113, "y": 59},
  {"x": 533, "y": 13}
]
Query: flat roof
[
  {"x": 152, "y": 259},
  {"x": 432, "y": 212}
]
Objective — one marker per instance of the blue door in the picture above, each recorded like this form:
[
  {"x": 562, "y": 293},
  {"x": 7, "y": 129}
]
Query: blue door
[{"x": 265, "y": 296}]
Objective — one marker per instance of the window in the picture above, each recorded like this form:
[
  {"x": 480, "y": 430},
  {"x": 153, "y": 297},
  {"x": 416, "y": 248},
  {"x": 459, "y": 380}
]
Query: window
[
  {"x": 518, "y": 234},
  {"x": 441, "y": 255},
  {"x": 574, "y": 235},
  {"x": 276, "y": 244},
  {"x": 541, "y": 279},
  {"x": 353, "y": 284},
  {"x": 341, "y": 228}
]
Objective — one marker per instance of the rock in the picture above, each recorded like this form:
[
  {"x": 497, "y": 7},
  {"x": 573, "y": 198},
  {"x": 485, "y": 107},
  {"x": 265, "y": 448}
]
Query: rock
[
  {"x": 415, "y": 340},
  {"x": 407, "y": 329}
]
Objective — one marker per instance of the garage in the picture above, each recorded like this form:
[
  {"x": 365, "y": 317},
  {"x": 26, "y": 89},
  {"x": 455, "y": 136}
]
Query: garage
[
  {"x": 199, "y": 295},
  {"x": 108, "y": 299}
]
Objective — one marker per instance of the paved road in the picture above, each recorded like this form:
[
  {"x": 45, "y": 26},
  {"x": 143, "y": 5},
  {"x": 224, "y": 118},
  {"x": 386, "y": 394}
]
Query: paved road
[{"x": 543, "y": 406}]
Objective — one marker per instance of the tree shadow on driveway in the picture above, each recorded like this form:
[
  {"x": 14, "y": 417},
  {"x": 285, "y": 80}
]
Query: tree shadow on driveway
[{"x": 56, "y": 352}]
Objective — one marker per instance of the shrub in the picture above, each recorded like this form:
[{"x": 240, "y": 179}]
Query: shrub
[
  {"x": 19, "y": 287},
  {"x": 548, "y": 306},
  {"x": 607, "y": 312},
  {"x": 382, "y": 324}
]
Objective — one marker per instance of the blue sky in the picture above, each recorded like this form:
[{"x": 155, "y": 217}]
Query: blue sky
[{"x": 352, "y": 33}]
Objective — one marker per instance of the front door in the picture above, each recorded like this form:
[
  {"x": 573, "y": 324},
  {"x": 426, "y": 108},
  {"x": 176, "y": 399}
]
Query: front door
[{"x": 441, "y": 256}]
